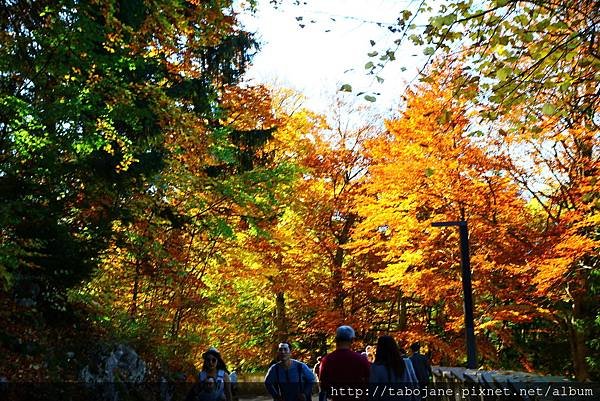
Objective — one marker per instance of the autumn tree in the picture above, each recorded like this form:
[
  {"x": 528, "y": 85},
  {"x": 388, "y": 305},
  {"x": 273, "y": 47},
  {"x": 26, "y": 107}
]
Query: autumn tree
[
  {"x": 323, "y": 219},
  {"x": 531, "y": 72},
  {"x": 557, "y": 168},
  {"x": 309, "y": 280},
  {"x": 428, "y": 168},
  {"x": 271, "y": 258},
  {"x": 541, "y": 61}
]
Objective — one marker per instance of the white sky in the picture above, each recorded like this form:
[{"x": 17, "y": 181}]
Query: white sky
[{"x": 317, "y": 59}]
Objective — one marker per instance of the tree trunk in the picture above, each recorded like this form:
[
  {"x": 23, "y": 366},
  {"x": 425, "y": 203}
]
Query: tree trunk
[
  {"x": 337, "y": 287},
  {"x": 338, "y": 263},
  {"x": 402, "y": 315},
  {"x": 577, "y": 339},
  {"x": 280, "y": 317},
  {"x": 176, "y": 322}
]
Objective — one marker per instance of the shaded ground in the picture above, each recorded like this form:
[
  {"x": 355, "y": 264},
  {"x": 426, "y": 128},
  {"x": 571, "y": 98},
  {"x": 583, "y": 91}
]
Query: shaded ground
[{"x": 256, "y": 398}]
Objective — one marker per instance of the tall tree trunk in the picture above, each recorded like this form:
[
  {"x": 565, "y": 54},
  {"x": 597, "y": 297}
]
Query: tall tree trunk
[
  {"x": 577, "y": 339},
  {"x": 281, "y": 323},
  {"x": 336, "y": 281},
  {"x": 402, "y": 313},
  {"x": 176, "y": 322},
  {"x": 338, "y": 262},
  {"x": 391, "y": 314}
]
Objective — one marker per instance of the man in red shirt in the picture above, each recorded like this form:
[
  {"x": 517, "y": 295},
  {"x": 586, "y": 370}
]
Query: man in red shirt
[{"x": 344, "y": 374}]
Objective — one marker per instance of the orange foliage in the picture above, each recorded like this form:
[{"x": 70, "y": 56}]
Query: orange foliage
[{"x": 427, "y": 169}]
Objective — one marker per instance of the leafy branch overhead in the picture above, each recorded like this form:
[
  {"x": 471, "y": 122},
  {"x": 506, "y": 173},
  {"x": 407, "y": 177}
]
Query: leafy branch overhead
[{"x": 526, "y": 54}]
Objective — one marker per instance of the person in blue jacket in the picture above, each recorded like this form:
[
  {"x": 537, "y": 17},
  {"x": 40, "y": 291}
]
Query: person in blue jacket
[{"x": 289, "y": 379}]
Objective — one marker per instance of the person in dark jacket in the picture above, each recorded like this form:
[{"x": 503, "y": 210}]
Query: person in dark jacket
[
  {"x": 420, "y": 364},
  {"x": 344, "y": 368}
]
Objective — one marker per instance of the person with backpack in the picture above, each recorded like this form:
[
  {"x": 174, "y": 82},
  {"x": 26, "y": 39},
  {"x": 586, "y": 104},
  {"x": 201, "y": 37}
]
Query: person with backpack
[
  {"x": 289, "y": 379},
  {"x": 214, "y": 383}
]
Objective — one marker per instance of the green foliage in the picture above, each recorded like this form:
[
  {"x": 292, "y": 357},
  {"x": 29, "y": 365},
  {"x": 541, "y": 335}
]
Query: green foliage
[
  {"x": 81, "y": 133},
  {"x": 92, "y": 98},
  {"x": 543, "y": 57}
]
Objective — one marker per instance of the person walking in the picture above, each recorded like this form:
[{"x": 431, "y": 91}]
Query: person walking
[
  {"x": 214, "y": 383},
  {"x": 344, "y": 368},
  {"x": 421, "y": 365},
  {"x": 289, "y": 379},
  {"x": 389, "y": 368},
  {"x": 409, "y": 375}
]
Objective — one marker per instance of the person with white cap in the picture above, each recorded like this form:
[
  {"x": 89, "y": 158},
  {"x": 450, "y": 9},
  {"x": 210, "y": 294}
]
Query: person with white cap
[
  {"x": 289, "y": 379},
  {"x": 344, "y": 368}
]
